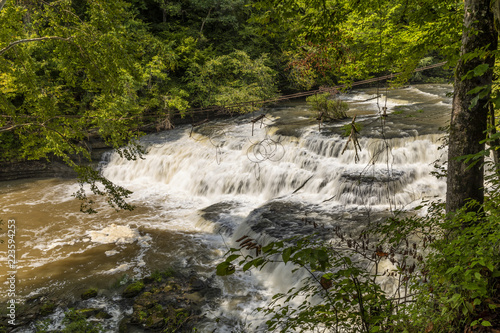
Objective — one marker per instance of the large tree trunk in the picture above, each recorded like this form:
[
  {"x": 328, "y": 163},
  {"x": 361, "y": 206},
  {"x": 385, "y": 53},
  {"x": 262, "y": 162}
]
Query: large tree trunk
[{"x": 469, "y": 123}]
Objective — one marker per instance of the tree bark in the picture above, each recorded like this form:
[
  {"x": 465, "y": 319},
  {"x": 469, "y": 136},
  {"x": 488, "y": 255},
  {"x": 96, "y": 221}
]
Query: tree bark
[{"x": 469, "y": 123}]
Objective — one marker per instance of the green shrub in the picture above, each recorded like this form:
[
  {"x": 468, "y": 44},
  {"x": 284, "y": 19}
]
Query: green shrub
[
  {"x": 326, "y": 108},
  {"x": 447, "y": 274}
]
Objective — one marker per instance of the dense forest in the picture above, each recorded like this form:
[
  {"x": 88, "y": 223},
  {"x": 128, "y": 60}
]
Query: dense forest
[{"x": 72, "y": 69}]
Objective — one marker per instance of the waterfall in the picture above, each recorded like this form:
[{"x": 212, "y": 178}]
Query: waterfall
[
  {"x": 197, "y": 190},
  {"x": 393, "y": 171},
  {"x": 254, "y": 181}
]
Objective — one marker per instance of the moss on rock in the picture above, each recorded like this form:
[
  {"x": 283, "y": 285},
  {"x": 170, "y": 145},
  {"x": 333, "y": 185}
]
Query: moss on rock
[
  {"x": 133, "y": 289},
  {"x": 89, "y": 293}
]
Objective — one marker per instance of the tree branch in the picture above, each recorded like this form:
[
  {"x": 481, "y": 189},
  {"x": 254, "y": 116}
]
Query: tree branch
[
  {"x": 2, "y": 3},
  {"x": 11, "y": 45}
]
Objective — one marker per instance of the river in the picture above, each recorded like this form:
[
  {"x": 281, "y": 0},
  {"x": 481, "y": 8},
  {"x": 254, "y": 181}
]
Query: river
[{"x": 197, "y": 191}]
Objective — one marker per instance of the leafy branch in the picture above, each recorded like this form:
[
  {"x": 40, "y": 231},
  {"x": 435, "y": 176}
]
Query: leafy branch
[{"x": 30, "y": 40}]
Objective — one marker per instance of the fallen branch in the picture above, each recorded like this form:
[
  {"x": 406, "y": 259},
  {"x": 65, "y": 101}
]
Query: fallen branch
[
  {"x": 354, "y": 138},
  {"x": 304, "y": 184},
  {"x": 253, "y": 121},
  {"x": 196, "y": 125}
]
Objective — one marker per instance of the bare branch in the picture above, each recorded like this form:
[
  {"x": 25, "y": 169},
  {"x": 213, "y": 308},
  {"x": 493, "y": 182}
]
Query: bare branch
[{"x": 11, "y": 45}]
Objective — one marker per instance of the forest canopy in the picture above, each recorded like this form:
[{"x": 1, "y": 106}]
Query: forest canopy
[{"x": 76, "y": 68}]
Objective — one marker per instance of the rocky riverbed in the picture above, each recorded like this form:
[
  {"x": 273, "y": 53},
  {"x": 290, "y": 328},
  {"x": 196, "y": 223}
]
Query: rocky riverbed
[{"x": 169, "y": 300}]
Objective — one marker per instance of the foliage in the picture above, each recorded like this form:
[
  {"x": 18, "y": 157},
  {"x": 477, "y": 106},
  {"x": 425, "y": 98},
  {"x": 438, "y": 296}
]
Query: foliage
[
  {"x": 326, "y": 108},
  {"x": 70, "y": 72},
  {"x": 446, "y": 272},
  {"x": 115, "y": 195},
  {"x": 348, "y": 129},
  {"x": 232, "y": 79},
  {"x": 349, "y": 299},
  {"x": 74, "y": 70},
  {"x": 356, "y": 39},
  {"x": 463, "y": 267},
  {"x": 76, "y": 322}
]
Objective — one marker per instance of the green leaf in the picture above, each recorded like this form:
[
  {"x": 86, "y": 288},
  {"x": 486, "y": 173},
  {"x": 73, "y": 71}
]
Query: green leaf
[
  {"x": 286, "y": 254},
  {"x": 267, "y": 248},
  {"x": 247, "y": 266},
  {"x": 465, "y": 311},
  {"x": 232, "y": 257},
  {"x": 469, "y": 307},
  {"x": 322, "y": 257},
  {"x": 485, "y": 323},
  {"x": 474, "y": 101},
  {"x": 476, "y": 90},
  {"x": 225, "y": 268},
  {"x": 348, "y": 261},
  {"x": 481, "y": 69},
  {"x": 327, "y": 276}
]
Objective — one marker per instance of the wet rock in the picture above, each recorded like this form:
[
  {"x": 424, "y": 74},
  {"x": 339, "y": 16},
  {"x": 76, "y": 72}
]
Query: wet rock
[
  {"x": 197, "y": 284},
  {"x": 123, "y": 327},
  {"x": 148, "y": 279},
  {"x": 171, "y": 286},
  {"x": 213, "y": 212},
  {"x": 90, "y": 293},
  {"x": 103, "y": 315},
  {"x": 220, "y": 215},
  {"x": 211, "y": 293},
  {"x": 155, "y": 320},
  {"x": 133, "y": 289},
  {"x": 34, "y": 169},
  {"x": 172, "y": 304},
  {"x": 145, "y": 300},
  {"x": 47, "y": 308},
  {"x": 194, "y": 297}
]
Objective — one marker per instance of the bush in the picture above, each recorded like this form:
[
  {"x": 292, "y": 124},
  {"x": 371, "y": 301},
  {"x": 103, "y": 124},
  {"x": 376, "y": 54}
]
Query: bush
[
  {"x": 326, "y": 108},
  {"x": 232, "y": 79},
  {"x": 447, "y": 275}
]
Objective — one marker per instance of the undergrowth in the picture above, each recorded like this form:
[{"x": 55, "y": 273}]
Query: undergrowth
[{"x": 444, "y": 272}]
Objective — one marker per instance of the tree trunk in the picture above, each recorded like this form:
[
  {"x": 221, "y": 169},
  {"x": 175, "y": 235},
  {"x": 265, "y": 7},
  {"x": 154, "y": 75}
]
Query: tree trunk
[{"x": 469, "y": 123}]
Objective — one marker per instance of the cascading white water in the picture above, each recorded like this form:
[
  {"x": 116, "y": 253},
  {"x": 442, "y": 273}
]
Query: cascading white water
[
  {"x": 231, "y": 162},
  {"x": 198, "y": 191},
  {"x": 393, "y": 171}
]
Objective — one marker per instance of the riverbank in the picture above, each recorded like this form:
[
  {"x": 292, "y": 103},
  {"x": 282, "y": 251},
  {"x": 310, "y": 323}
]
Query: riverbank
[
  {"x": 170, "y": 300},
  {"x": 55, "y": 167}
]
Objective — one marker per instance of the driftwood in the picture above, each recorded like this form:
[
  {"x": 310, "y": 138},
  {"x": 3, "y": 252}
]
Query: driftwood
[{"x": 253, "y": 121}]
